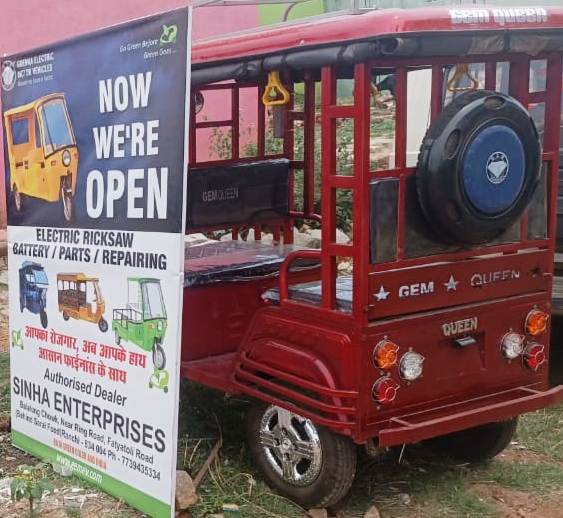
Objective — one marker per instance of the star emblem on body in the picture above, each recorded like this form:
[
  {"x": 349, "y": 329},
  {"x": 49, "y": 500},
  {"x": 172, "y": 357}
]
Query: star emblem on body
[
  {"x": 451, "y": 285},
  {"x": 381, "y": 294}
]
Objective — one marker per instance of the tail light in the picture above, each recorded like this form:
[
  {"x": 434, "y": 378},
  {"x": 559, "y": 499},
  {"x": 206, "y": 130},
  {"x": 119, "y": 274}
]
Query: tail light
[
  {"x": 534, "y": 355},
  {"x": 385, "y": 354},
  {"x": 536, "y": 322},
  {"x": 384, "y": 390},
  {"x": 411, "y": 366},
  {"x": 512, "y": 345}
]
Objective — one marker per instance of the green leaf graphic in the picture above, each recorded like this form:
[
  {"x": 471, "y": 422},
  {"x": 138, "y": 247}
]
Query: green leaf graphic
[{"x": 169, "y": 34}]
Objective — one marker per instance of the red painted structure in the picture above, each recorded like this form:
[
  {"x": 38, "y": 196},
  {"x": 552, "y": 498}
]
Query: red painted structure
[
  {"x": 316, "y": 359},
  {"x": 353, "y": 27}
]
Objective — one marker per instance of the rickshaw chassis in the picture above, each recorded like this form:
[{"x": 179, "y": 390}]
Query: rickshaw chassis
[{"x": 325, "y": 371}]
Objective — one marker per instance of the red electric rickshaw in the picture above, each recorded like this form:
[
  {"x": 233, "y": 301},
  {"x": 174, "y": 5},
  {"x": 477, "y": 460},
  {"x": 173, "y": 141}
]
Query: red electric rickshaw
[{"x": 429, "y": 137}]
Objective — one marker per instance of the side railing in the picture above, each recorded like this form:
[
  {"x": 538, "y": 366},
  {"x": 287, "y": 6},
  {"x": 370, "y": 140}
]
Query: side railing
[
  {"x": 125, "y": 315},
  {"x": 285, "y": 269}
]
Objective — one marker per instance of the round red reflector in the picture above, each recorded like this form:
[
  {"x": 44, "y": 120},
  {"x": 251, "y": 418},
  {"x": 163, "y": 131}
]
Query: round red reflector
[
  {"x": 536, "y": 322},
  {"x": 384, "y": 390},
  {"x": 385, "y": 354},
  {"x": 534, "y": 355}
]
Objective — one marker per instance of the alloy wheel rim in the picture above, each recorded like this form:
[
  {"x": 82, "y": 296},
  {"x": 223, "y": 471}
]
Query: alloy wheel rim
[{"x": 292, "y": 446}]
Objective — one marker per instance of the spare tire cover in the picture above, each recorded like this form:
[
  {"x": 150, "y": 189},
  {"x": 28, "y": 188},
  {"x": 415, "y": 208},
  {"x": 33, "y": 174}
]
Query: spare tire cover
[{"x": 478, "y": 167}]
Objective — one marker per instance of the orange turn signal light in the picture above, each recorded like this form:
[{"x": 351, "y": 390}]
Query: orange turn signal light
[
  {"x": 536, "y": 322},
  {"x": 385, "y": 354}
]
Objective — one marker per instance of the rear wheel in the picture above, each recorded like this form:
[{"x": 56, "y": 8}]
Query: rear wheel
[
  {"x": 476, "y": 444},
  {"x": 43, "y": 317},
  {"x": 158, "y": 356},
  {"x": 117, "y": 338},
  {"x": 103, "y": 325},
  {"x": 304, "y": 462}
]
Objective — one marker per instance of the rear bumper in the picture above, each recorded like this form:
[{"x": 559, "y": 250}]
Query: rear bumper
[{"x": 424, "y": 425}]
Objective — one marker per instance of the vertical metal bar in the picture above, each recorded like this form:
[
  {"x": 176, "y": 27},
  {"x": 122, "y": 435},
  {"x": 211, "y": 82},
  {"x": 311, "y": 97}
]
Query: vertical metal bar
[
  {"x": 360, "y": 242},
  {"x": 328, "y": 167},
  {"x": 519, "y": 79},
  {"x": 401, "y": 118},
  {"x": 309, "y": 146},
  {"x": 193, "y": 143},
  {"x": 437, "y": 91},
  {"x": 552, "y": 136},
  {"x": 519, "y": 84},
  {"x": 235, "y": 128},
  {"x": 261, "y": 125},
  {"x": 401, "y": 153},
  {"x": 289, "y": 152},
  {"x": 553, "y": 104},
  {"x": 491, "y": 76}
]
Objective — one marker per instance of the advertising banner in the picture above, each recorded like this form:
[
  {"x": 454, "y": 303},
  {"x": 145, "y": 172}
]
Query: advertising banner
[{"x": 95, "y": 158}]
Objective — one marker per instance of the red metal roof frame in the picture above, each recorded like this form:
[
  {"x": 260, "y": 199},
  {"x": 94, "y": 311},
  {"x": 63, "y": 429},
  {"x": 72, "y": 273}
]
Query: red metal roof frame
[{"x": 387, "y": 22}]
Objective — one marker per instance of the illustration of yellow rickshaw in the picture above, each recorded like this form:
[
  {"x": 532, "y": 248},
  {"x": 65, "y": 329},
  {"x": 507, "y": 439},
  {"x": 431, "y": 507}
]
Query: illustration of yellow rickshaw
[
  {"x": 80, "y": 297},
  {"x": 42, "y": 152}
]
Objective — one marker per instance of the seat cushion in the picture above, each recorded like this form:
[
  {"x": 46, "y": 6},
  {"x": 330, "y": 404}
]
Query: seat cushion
[
  {"x": 237, "y": 194},
  {"x": 235, "y": 261},
  {"x": 310, "y": 292}
]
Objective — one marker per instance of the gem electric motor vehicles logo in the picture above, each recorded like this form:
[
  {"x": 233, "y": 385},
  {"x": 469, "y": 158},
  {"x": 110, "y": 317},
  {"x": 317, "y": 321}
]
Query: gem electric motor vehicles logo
[
  {"x": 9, "y": 75},
  {"x": 497, "y": 167},
  {"x": 169, "y": 34}
]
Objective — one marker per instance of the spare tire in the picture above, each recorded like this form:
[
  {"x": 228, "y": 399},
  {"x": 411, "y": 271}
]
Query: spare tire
[{"x": 478, "y": 167}]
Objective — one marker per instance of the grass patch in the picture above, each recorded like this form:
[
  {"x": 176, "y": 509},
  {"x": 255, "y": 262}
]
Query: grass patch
[
  {"x": 4, "y": 384},
  {"x": 542, "y": 432},
  {"x": 435, "y": 488},
  {"x": 538, "y": 478},
  {"x": 207, "y": 416}
]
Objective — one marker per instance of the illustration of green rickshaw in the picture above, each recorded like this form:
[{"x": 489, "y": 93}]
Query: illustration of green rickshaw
[
  {"x": 143, "y": 321},
  {"x": 80, "y": 297},
  {"x": 42, "y": 152}
]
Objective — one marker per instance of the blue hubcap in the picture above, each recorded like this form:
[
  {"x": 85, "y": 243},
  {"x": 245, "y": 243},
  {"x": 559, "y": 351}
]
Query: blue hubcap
[{"x": 494, "y": 169}]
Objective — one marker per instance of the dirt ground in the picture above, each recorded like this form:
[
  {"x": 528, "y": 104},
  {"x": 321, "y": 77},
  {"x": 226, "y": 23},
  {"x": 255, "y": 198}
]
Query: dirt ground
[{"x": 525, "y": 481}]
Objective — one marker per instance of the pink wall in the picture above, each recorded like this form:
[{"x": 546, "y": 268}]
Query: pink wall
[{"x": 25, "y": 24}]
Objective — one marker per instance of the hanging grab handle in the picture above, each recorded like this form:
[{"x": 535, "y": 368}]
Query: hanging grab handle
[
  {"x": 274, "y": 89},
  {"x": 460, "y": 71}
]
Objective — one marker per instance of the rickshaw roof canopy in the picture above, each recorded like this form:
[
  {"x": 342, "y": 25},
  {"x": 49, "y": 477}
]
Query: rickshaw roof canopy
[
  {"x": 33, "y": 105},
  {"x": 35, "y": 269},
  {"x": 76, "y": 277},
  {"x": 333, "y": 29}
]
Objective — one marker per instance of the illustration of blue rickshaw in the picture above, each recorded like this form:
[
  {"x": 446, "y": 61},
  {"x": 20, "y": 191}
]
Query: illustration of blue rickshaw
[{"x": 33, "y": 290}]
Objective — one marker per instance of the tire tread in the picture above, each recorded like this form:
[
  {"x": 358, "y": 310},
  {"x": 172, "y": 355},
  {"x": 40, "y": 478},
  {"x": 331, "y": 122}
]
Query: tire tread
[{"x": 335, "y": 479}]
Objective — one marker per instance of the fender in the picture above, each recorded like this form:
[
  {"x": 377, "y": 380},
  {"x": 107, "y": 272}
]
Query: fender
[{"x": 290, "y": 364}]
